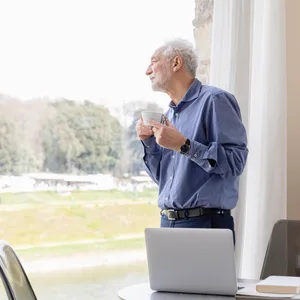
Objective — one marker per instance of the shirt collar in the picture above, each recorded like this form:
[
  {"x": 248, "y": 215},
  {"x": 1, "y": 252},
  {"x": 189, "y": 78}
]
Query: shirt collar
[{"x": 191, "y": 94}]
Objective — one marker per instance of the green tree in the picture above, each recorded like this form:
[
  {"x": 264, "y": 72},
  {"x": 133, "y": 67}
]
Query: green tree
[
  {"x": 20, "y": 142},
  {"x": 6, "y": 145},
  {"x": 60, "y": 136},
  {"x": 82, "y": 137}
]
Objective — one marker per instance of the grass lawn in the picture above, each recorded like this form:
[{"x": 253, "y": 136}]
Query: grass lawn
[
  {"x": 44, "y": 224},
  {"x": 50, "y": 196},
  {"x": 105, "y": 247},
  {"x": 37, "y": 221}
]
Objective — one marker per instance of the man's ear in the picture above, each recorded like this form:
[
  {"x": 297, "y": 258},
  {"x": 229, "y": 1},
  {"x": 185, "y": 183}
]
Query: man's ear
[{"x": 177, "y": 63}]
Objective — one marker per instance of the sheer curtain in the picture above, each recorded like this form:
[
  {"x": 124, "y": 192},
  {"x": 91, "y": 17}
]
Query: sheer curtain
[{"x": 248, "y": 59}]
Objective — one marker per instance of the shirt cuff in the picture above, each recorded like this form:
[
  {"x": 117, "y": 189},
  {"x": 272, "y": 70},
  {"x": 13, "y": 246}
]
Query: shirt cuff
[
  {"x": 197, "y": 151},
  {"x": 150, "y": 145},
  {"x": 203, "y": 155}
]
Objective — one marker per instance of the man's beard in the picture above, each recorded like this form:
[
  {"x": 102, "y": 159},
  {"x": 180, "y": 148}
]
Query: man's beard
[{"x": 162, "y": 83}]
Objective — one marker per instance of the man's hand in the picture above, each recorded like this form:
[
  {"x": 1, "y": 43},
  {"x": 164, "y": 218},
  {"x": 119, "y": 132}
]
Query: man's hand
[
  {"x": 143, "y": 132},
  {"x": 167, "y": 135}
]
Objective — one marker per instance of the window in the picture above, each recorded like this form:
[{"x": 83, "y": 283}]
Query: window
[{"x": 74, "y": 197}]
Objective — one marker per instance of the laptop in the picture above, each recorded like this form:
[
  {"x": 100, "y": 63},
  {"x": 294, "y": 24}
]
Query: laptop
[{"x": 191, "y": 260}]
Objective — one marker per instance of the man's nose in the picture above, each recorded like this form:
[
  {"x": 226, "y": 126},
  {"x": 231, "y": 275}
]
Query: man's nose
[{"x": 148, "y": 71}]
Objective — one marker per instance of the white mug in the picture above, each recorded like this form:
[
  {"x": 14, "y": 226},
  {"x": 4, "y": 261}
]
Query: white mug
[{"x": 154, "y": 116}]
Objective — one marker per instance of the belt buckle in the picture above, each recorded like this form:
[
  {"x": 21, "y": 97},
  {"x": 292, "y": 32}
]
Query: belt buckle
[
  {"x": 175, "y": 214},
  {"x": 201, "y": 211}
]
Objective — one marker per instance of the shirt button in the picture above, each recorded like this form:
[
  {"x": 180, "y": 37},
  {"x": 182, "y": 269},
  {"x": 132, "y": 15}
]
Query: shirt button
[
  {"x": 171, "y": 177},
  {"x": 195, "y": 155},
  {"x": 176, "y": 115},
  {"x": 173, "y": 156}
]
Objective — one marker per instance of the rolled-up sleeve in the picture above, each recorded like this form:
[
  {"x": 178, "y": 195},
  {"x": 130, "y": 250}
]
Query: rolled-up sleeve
[{"x": 225, "y": 152}]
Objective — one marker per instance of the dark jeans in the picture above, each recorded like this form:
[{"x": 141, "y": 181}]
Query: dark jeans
[{"x": 211, "y": 221}]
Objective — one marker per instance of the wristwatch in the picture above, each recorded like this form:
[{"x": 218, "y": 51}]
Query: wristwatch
[{"x": 185, "y": 148}]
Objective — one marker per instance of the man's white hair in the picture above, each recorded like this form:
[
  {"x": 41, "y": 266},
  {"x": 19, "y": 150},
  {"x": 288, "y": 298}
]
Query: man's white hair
[{"x": 185, "y": 50}]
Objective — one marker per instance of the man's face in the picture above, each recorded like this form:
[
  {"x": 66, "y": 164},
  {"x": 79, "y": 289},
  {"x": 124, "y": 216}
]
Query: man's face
[{"x": 159, "y": 72}]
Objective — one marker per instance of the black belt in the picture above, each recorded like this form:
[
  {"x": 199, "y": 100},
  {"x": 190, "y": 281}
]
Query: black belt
[{"x": 173, "y": 214}]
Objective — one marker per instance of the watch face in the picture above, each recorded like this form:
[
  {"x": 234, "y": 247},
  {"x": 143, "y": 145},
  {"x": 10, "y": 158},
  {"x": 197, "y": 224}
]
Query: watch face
[{"x": 184, "y": 148}]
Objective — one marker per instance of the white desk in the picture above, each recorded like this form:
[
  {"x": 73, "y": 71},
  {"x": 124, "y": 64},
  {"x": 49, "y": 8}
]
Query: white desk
[{"x": 143, "y": 292}]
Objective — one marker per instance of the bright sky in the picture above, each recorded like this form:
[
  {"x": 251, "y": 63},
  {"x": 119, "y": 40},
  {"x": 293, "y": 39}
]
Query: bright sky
[{"x": 86, "y": 49}]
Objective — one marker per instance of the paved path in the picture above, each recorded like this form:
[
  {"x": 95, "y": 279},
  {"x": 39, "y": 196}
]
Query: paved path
[
  {"x": 80, "y": 242},
  {"x": 84, "y": 260}
]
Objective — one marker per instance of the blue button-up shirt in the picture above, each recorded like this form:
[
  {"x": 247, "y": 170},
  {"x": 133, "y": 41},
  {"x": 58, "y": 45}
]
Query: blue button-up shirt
[{"x": 208, "y": 176}]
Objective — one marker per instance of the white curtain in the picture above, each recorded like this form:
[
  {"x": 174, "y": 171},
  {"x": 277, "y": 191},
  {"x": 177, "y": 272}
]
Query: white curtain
[{"x": 248, "y": 59}]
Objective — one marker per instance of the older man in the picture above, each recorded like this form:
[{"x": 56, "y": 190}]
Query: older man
[{"x": 196, "y": 158}]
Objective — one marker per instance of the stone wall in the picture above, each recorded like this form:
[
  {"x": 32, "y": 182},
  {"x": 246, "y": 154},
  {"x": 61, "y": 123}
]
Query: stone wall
[{"x": 203, "y": 33}]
